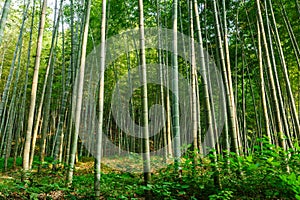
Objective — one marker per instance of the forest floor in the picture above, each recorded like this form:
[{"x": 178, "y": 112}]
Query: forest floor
[
  {"x": 266, "y": 175},
  {"x": 48, "y": 184}
]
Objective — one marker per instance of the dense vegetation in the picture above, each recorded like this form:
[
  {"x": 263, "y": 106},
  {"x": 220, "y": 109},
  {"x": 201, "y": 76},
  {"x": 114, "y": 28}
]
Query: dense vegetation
[
  {"x": 261, "y": 175},
  {"x": 149, "y": 99}
]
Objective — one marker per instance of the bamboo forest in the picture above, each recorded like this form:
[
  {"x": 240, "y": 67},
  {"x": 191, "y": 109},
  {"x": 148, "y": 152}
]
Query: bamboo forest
[{"x": 150, "y": 99}]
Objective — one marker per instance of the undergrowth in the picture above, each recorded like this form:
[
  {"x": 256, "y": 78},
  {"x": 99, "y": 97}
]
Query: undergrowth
[{"x": 267, "y": 173}]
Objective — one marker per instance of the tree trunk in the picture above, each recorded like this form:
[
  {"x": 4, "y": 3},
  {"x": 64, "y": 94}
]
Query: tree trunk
[
  {"x": 145, "y": 140},
  {"x": 97, "y": 175},
  {"x": 4, "y": 18},
  {"x": 79, "y": 93},
  {"x": 175, "y": 103},
  {"x": 27, "y": 146}
]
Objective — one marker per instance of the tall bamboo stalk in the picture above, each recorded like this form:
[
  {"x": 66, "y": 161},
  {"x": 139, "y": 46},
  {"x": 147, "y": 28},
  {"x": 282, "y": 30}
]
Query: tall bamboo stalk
[
  {"x": 79, "y": 93},
  {"x": 101, "y": 103},
  {"x": 27, "y": 146}
]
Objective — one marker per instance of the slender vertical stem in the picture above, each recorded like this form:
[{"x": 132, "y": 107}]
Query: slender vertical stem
[
  {"x": 26, "y": 152},
  {"x": 101, "y": 102}
]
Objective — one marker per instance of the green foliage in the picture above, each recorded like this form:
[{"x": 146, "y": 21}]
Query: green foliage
[
  {"x": 267, "y": 173},
  {"x": 293, "y": 181},
  {"x": 10, "y": 162},
  {"x": 224, "y": 195},
  {"x": 262, "y": 175}
]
